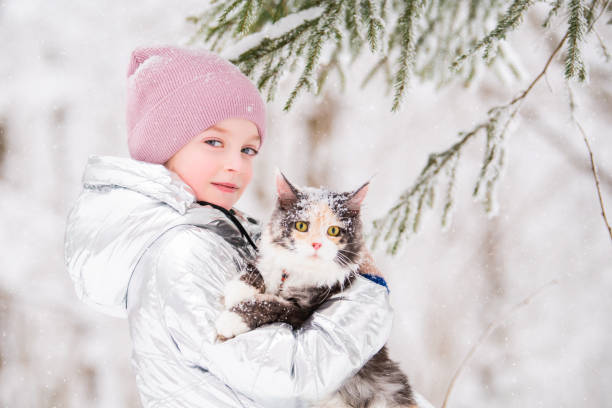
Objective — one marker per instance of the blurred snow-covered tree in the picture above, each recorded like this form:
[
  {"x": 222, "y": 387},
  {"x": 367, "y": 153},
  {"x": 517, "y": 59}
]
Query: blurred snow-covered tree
[
  {"x": 2, "y": 142},
  {"x": 436, "y": 40}
]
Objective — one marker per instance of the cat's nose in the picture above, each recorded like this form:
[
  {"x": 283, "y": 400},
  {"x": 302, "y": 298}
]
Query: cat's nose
[{"x": 316, "y": 245}]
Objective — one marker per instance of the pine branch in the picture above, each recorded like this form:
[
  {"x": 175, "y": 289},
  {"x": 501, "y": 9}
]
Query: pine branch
[
  {"x": 206, "y": 28},
  {"x": 596, "y": 176},
  {"x": 552, "y": 13},
  {"x": 272, "y": 47},
  {"x": 591, "y": 159},
  {"x": 496, "y": 128},
  {"x": 375, "y": 26},
  {"x": 377, "y": 67},
  {"x": 602, "y": 45},
  {"x": 574, "y": 67},
  {"x": 316, "y": 39},
  {"x": 450, "y": 192},
  {"x": 425, "y": 182},
  {"x": 407, "y": 26},
  {"x": 226, "y": 12},
  {"x": 424, "y": 37},
  {"x": 593, "y": 17},
  {"x": 491, "y": 169},
  {"x": 589, "y": 13},
  {"x": 353, "y": 26},
  {"x": 423, "y": 33},
  {"x": 327, "y": 69},
  {"x": 510, "y": 21},
  {"x": 247, "y": 15},
  {"x": 541, "y": 74}
]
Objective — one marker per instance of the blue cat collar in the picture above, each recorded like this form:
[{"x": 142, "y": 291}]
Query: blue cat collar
[{"x": 376, "y": 279}]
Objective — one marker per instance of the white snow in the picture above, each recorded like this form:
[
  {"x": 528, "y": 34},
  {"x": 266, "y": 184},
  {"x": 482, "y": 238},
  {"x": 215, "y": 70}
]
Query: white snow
[
  {"x": 281, "y": 27},
  {"x": 149, "y": 63},
  {"x": 62, "y": 82}
]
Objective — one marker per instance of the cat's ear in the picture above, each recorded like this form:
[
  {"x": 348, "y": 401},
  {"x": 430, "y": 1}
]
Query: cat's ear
[
  {"x": 287, "y": 194},
  {"x": 355, "y": 198}
]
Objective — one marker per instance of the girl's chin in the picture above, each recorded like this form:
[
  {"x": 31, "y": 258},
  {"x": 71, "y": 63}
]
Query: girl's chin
[{"x": 220, "y": 201}]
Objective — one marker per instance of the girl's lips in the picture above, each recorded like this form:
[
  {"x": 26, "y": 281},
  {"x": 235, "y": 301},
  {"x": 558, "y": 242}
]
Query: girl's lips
[{"x": 226, "y": 187}]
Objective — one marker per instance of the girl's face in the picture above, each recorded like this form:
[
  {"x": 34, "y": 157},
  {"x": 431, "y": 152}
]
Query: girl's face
[{"x": 218, "y": 163}]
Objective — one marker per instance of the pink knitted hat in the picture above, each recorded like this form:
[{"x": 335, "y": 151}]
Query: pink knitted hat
[{"x": 176, "y": 93}]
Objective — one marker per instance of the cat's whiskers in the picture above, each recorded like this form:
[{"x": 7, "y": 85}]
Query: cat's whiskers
[
  {"x": 351, "y": 252},
  {"x": 346, "y": 263},
  {"x": 343, "y": 260}
]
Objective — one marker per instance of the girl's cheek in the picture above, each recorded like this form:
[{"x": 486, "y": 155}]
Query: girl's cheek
[{"x": 248, "y": 166}]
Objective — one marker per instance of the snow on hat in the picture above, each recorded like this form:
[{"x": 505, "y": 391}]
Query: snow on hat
[{"x": 175, "y": 93}]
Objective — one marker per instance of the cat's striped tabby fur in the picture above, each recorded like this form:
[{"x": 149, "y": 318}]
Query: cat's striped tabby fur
[{"x": 311, "y": 248}]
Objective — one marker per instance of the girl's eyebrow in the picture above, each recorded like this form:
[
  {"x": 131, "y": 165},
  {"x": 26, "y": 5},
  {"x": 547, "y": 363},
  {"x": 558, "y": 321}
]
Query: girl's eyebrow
[
  {"x": 254, "y": 138},
  {"x": 219, "y": 129}
]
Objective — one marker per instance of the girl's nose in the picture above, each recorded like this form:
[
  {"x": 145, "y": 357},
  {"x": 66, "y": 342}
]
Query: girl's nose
[{"x": 233, "y": 162}]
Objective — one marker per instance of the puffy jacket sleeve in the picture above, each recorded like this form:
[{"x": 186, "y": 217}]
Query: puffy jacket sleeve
[{"x": 273, "y": 365}]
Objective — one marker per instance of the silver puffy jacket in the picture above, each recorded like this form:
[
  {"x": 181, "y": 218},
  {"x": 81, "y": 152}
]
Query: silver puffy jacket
[{"x": 138, "y": 245}]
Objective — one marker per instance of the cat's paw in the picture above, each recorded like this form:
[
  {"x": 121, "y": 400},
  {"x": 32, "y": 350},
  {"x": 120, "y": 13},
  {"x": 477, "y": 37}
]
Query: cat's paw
[
  {"x": 230, "y": 324},
  {"x": 236, "y": 291}
]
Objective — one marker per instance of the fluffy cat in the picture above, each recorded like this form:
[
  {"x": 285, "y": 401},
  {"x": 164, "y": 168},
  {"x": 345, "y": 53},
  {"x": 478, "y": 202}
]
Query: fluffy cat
[{"x": 311, "y": 249}]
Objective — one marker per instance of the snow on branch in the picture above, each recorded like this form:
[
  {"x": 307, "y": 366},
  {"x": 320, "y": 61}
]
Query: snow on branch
[
  {"x": 432, "y": 40},
  {"x": 402, "y": 220},
  {"x": 509, "y": 21},
  {"x": 413, "y": 37},
  {"x": 574, "y": 67}
]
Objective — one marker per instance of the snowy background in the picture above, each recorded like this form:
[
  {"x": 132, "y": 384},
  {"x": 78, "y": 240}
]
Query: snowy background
[{"x": 62, "y": 84}]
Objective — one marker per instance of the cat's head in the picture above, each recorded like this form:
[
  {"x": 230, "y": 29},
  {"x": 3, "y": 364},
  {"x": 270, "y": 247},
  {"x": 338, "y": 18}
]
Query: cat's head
[{"x": 317, "y": 225}]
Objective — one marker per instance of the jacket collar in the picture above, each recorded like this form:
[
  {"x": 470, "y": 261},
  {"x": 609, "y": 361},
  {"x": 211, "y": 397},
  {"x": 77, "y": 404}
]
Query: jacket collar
[
  {"x": 108, "y": 228},
  {"x": 153, "y": 180}
]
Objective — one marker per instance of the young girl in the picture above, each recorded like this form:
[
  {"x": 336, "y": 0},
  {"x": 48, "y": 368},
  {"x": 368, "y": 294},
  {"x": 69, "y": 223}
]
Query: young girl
[{"x": 154, "y": 238}]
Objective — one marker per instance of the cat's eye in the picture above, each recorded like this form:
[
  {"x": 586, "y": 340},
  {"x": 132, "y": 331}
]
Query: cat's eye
[
  {"x": 301, "y": 226},
  {"x": 334, "y": 231}
]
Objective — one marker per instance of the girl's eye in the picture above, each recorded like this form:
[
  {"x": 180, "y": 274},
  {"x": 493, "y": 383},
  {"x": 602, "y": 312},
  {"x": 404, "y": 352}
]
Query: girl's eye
[
  {"x": 250, "y": 151},
  {"x": 212, "y": 141},
  {"x": 333, "y": 231},
  {"x": 301, "y": 226}
]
